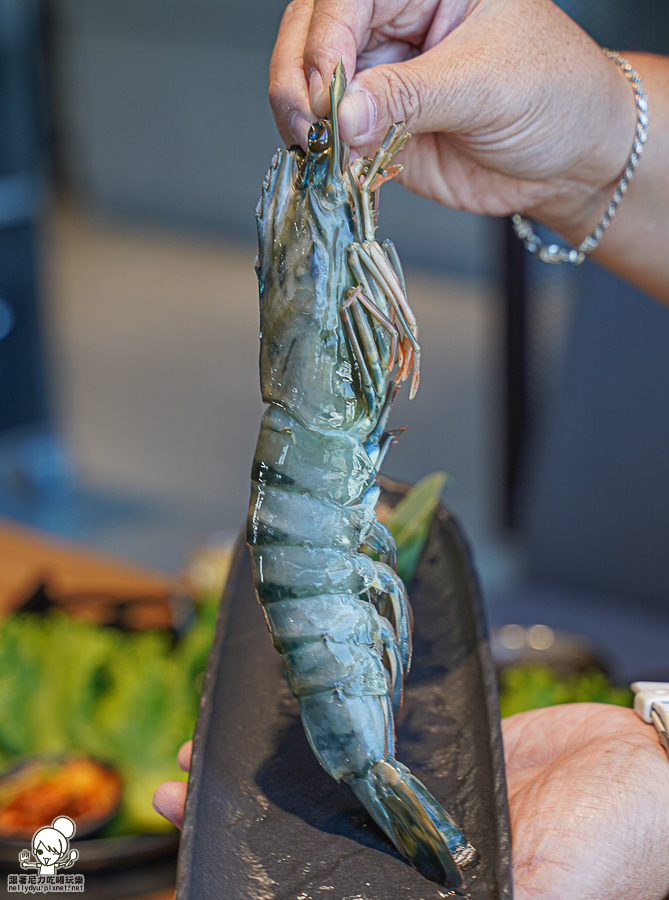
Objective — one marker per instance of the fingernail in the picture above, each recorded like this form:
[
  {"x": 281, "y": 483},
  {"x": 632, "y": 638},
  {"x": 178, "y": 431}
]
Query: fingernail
[
  {"x": 299, "y": 127},
  {"x": 316, "y": 91},
  {"x": 357, "y": 115}
]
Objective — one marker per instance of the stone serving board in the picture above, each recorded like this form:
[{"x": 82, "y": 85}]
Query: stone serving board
[{"x": 263, "y": 821}]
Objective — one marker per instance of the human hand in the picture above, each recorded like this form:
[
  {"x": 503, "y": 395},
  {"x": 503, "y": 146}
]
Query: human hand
[
  {"x": 588, "y": 797},
  {"x": 24, "y": 858},
  {"x": 170, "y": 796},
  {"x": 589, "y": 801},
  {"x": 511, "y": 105}
]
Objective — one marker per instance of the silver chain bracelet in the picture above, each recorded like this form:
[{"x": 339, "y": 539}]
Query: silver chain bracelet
[{"x": 552, "y": 253}]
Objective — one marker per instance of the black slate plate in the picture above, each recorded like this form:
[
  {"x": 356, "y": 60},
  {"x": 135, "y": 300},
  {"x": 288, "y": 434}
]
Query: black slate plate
[{"x": 264, "y": 822}]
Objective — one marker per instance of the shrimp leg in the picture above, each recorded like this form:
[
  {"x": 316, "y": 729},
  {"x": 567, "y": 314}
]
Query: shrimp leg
[
  {"x": 375, "y": 174},
  {"x": 381, "y": 540},
  {"x": 376, "y": 262},
  {"x": 362, "y": 341},
  {"x": 393, "y": 661},
  {"x": 392, "y": 602}
]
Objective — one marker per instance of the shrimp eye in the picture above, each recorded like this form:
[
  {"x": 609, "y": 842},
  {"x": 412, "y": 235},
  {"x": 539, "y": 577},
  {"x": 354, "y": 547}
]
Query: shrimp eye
[{"x": 319, "y": 138}]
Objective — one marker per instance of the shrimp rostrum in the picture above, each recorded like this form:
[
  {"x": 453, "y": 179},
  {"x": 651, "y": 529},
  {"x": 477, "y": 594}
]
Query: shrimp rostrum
[{"x": 337, "y": 338}]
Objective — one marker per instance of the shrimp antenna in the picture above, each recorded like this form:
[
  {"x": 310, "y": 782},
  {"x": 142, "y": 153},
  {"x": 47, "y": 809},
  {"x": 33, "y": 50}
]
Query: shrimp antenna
[{"x": 337, "y": 91}]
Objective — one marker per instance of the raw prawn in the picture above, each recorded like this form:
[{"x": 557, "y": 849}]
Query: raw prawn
[{"x": 337, "y": 338}]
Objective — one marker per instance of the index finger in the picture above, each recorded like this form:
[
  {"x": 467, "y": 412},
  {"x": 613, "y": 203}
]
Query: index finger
[
  {"x": 288, "y": 89},
  {"x": 184, "y": 756},
  {"x": 336, "y": 30}
]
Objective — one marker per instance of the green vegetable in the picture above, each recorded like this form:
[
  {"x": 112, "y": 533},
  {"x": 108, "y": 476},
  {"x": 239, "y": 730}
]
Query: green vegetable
[
  {"x": 410, "y": 521},
  {"x": 128, "y": 699},
  {"x": 535, "y": 686}
]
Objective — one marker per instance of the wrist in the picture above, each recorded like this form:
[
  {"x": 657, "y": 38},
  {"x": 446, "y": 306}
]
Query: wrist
[{"x": 581, "y": 194}]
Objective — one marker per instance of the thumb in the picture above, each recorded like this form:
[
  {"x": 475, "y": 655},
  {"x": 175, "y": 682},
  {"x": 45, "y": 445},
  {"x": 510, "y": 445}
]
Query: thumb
[
  {"x": 336, "y": 30},
  {"x": 420, "y": 92}
]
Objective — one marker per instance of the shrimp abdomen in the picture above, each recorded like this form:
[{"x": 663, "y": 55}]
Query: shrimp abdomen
[{"x": 330, "y": 464}]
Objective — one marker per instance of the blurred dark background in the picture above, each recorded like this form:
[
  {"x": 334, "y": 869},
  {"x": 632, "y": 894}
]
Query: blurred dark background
[{"x": 133, "y": 141}]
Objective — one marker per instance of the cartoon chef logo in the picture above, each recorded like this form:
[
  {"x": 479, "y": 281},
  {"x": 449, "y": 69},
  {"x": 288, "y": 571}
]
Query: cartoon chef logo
[{"x": 51, "y": 848}]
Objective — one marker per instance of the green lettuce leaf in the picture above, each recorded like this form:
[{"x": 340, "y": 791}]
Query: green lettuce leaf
[{"x": 410, "y": 521}]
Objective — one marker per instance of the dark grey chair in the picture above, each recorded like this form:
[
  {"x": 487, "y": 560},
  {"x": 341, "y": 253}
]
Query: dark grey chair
[
  {"x": 587, "y": 438},
  {"x": 594, "y": 496}
]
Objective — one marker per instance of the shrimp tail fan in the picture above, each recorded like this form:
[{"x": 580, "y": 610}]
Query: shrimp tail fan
[{"x": 415, "y": 822}]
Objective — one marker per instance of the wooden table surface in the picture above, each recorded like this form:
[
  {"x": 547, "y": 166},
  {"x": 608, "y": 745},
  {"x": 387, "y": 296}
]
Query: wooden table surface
[{"x": 29, "y": 557}]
